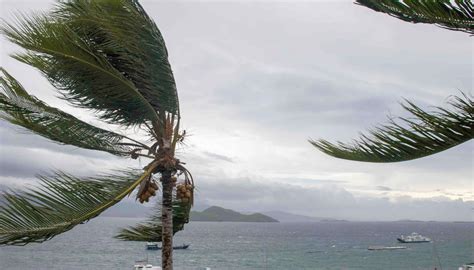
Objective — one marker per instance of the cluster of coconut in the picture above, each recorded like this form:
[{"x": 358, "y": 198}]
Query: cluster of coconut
[
  {"x": 184, "y": 192},
  {"x": 149, "y": 191}
]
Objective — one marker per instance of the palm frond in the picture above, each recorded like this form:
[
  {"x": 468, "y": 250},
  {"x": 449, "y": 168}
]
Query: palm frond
[
  {"x": 410, "y": 138},
  {"x": 107, "y": 56},
  {"x": 22, "y": 109},
  {"x": 150, "y": 230},
  {"x": 457, "y": 15},
  {"x": 62, "y": 202}
]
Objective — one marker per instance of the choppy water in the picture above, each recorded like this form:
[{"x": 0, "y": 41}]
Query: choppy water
[{"x": 326, "y": 245}]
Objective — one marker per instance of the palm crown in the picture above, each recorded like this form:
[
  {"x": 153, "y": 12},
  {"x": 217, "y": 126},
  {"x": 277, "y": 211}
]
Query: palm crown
[{"x": 107, "y": 56}]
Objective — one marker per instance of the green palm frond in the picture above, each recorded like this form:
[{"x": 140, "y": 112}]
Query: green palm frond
[
  {"x": 150, "y": 230},
  {"x": 22, "y": 109},
  {"x": 107, "y": 56},
  {"x": 457, "y": 15},
  {"x": 132, "y": 43},
  {"x": 62, "y": 202},
  {"x": 426, "y": 134}
]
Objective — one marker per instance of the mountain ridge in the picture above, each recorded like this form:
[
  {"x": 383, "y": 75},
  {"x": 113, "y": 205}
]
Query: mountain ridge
[{"x": 219, "y": 214}]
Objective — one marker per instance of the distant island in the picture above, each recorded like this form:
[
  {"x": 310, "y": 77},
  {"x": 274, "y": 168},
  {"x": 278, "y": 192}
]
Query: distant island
[{"x": 215, "y": 213}]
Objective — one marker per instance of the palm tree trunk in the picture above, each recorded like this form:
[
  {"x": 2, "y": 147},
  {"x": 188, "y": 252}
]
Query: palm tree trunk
[{"x": 167, "y": 222}]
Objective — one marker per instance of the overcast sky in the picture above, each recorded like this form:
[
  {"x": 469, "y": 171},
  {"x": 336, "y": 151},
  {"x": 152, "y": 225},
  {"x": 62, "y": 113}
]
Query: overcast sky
[{"x": 256, "y": 81}]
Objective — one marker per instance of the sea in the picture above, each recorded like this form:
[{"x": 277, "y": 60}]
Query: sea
[{"x": 234, "y": 245}]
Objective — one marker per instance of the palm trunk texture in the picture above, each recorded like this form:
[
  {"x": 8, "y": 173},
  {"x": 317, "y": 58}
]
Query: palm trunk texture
[{"x": 167, "y": 222}]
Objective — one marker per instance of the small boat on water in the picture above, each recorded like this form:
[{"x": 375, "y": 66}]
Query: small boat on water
[
  {"x": 468, "y": 266},
  {"x": 144, "y": 265},
  {"x": 155, "y": 246},
  {"x": 386, "y": 247},
  {"x": 413, "y": 238}
]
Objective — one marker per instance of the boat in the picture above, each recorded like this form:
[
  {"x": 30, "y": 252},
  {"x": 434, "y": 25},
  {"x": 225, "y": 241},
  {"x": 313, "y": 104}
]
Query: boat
[
  {"x": 152, "y": 246},
  {"x": 144, "y": 265},
  {"x": 386, "y": 247},
  {"x": 413, "y": 238},
  {"x": 155, "y": 246},
  {"x": 468, "y": 266}
]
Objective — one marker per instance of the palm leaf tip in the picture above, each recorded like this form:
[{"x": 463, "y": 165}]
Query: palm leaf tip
[
  {"x": 59, "y": 204},
  {"x": 20, "y": 108},
  {"x": 425, "y": 134},
  {"x": 457, "y": 15}
]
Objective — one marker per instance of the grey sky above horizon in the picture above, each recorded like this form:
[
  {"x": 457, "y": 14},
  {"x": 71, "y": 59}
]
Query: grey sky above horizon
[{"x": 256, "y": 80}]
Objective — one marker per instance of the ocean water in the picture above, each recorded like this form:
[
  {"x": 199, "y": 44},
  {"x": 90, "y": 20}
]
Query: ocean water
[{"x": 227, "y": 245}]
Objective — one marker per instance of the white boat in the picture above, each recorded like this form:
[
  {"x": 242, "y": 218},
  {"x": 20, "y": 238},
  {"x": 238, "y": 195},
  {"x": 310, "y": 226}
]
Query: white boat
[
  {"x": 144, "y": 265},
  {"x": 152, "y": 246},
  {"x": 468, "y": 266},
  {"x": 413, "y": 238}
]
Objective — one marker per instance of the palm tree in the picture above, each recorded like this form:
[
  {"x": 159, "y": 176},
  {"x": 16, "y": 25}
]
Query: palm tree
[
  {"x": 107, "y": 56},
  {"x": 426, "y": 133}
]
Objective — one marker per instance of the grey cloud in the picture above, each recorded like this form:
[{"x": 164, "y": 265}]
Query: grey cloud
[
  {"x": 383, "y": 188},
  {"x": 27, "y": 162},
  {"x": 19, "y": 137},
  {"x": 218, "y": 156},
  {"x": 327, "y": 201},
  {"x": 269, "y": 76}
]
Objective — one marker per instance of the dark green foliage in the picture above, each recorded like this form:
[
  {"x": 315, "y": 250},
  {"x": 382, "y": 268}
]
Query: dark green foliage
[
  {"x": 22, "y": 109},
  {"x": 410, "y": 138},
  {"x": 150, "y": 231},
  {"x": 107, "y": 56},
  {"x": 62, "y": 202},
  {"x": 457, "y": 15}
]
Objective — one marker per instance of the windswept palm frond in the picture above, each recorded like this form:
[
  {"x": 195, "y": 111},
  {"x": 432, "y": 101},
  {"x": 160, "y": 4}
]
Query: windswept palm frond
[
  {"x": 457, "y": 15},
  {"x": 150, "y": 231},
  {"x": 426, "y": 134},
  {"x": 131, "y": 42},
  {"x": 22, "y": 109},
  {"x": 62, "y": 202},
  {"x": 107, "y": 56}
]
